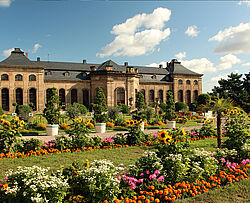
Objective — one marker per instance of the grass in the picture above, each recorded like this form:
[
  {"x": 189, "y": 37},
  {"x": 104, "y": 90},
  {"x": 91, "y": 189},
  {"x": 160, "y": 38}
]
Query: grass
[
  {"x": 125, "y": 156},
  {"x": 236, "y": 192}
]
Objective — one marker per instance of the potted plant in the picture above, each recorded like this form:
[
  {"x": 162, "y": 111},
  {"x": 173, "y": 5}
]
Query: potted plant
[
  {"x": 100, "y": 108},
  {"x": 52, "y": 112},
  {"x": 170, "y": 111}
]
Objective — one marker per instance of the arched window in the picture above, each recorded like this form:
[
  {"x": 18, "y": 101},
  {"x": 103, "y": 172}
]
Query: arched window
[
  {"x": 143, "y": 92},
  {"x": 160, "y": 95},
  {"x": 151, "y": 95},
  {"x": 195, "y": 82},
  {"x": 47, "y": 95},
  {"x": 32, "y": 78},
  {"x": 62, "y": 97},
  {"x": 120, "y": 95},
  {"x": 4, "y": 77},
  {"x": 85, "y": 93},
  {"x": 73, "y": 96},
  {"x": 188, "y": 82},
  {"x": 180, "y": 96},
  {"x": 19, "y": 96},
  {"x": 32, "y": 98},
  {"x": 188, "y": 97},
  {"x": 180, "y": 82},
  {"x": 18, "y": 77},
  {"x": 195, "y": 95},
  {"x": 5, "y": 99}
]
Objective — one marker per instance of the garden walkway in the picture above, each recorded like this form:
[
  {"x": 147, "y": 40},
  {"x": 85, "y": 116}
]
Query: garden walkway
[{"x": 102, "y": 135}]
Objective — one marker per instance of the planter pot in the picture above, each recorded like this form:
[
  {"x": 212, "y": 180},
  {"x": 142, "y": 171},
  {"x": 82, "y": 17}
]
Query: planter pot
[
  {"x": 171, "y": 124},
  {"x": 52, "y": 129},
  {"x": 142, "y": 126},
  {"x": 100, "y": 127}
]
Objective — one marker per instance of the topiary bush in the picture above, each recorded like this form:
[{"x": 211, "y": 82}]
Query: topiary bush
[
  {"x": 124, "y": 108},
  {"x": 140, "y": 101},
  {"x": 180, "y": 106},
  {"x": 76, "y": 110},
  {"x": 23, "y": 112}
]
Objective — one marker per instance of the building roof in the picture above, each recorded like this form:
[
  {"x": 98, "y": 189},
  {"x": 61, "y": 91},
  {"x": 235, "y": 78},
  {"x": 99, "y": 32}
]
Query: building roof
[{"x": 17, "y": 57}]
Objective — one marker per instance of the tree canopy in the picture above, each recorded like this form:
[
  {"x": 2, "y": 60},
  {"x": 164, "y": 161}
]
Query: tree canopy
[{"x": 235, "y": 88}]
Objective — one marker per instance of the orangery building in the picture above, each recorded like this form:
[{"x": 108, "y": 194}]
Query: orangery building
[{"x": 24, "y": 81}]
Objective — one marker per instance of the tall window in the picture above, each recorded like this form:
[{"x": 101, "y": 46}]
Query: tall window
[
  {"x": 5, "y": 99},
  {"x": 188, "y": 97},
  {"x": 195, "y": 82},
  {"x": 85, "y": 93},
  {"x": 62, "y": 97},
  {"x": 19, "y": 96},
  {"x": 188, "y": 82},
  {"x": 120, "y": 95},
  {"x": 18, "y": 77},
  {"x": 32, "y": 97},
  {"x": 47, "y": 95},
  {"x": 151, "y": 96},
  {"x": 73, "y": 96},
  {"x": 195, "y": 95},
  {"x": 143, "y": 92},
  {"x": 180, "y": 96},
  {"x": 32, "y": 78},
  {"x": 4, "y": 77},
  {"x": 180, "y": 82},
  {"x": 160, "y": 95}
]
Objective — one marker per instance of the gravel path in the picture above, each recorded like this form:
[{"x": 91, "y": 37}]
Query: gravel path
[{"x": 46, "y": 138}]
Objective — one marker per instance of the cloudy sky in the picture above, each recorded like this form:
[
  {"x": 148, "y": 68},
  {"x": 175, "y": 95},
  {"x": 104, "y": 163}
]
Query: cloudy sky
[{"x": 212, "y": 38}]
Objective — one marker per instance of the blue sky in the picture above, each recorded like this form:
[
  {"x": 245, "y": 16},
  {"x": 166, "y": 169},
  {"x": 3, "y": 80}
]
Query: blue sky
[{"x": 212, "y": 38}]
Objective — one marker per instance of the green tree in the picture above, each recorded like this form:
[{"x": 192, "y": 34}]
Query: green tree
[
  {"x": 180, "y": 106},
  {"x": 140, "y": 101},
  {"x": 235, "y": 88},
  {"x": 52, "y": 108},
  {"x": 100, "y": 106},
  {"x": 219, "y": 106},
  {"x": 170, "y": 107}
]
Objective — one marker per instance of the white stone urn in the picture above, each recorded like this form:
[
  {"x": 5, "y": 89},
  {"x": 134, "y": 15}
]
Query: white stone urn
[
  {"x": 142, "y": 126},
  {"x": 171, "y": 124},
  {"x": 52, "y": 129},
  {"x": 100, "y": 127}
]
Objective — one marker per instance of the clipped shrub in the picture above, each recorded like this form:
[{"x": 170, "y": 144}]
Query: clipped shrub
[
  {"x": 75, "y": 110},
  {"x": 113, "y": 114},
  {"x": 23, "y": 112},
  {"x": 180, "y": 106},
  {"x": 140, "y": 101},
  {"x": 203, "y": 99},
  {"x": 124, "y": 108},
  {"x": 1, "y": 111}
]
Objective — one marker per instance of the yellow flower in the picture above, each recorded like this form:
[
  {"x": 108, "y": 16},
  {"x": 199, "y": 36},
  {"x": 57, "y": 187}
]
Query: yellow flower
[
  {"x": 21, "y": 123},
  {"x": 4, "y": 116},
  {"x": 183, "y": 131},
  {"x": 162, "y": 134},
  {"x": 127, "y": 122},
  {"x": 2, "y": 121},
  {"x": 131, "y": 122},
  {"x": 167, "y": 139},
  {"x": 80, "y": 119},
  {"x": 87, "y": 164},
  {"x": 6, "y": 123}
]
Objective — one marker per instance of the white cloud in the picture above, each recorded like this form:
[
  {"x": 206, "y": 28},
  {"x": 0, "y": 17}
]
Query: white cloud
[
  {"x": 36, "y": 47},
  {"x": 181, "y": 55},
  {"x": 247, "y": 2},
  {"x": 7, "y": 52},
  {"x": 201, "y": 65},
  {"x": 192, "y": 31},
  {"x": 219, "y": 77},
  {"x": 246, "y": 64},
  {"x": 227, "y": 61},
  {"x": 139, "y": 34},
  {"x": 164, "y": 63},
  {"x": 5, "y": 3},
  {"x": 233, "y": 39}
]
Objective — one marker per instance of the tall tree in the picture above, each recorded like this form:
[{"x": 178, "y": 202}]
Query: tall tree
[
  {"x": 140, "y": 101},
  {"x": 236, "y": 89}
]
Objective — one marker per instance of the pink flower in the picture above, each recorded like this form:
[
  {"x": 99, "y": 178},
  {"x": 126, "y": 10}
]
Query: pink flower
[
  {"x": 223, "y": 131},
  {"x": 6, "y": 178},
  {"x": 133, "y": 187},
  {"x": 245, "y": 161},
  {"x": 153, "y": 176},
  {"x": 118, "y": 177},
  {"x": 223, "y": 160},
  {"x": 161, "y": 178},
  {"x": 147, "y": 172},
  {"x": 142, "y": 174},
  {"x": 157, "y": 172},
  {"x": 140, "y": 180},
  {"x": 155, "y": 134}
]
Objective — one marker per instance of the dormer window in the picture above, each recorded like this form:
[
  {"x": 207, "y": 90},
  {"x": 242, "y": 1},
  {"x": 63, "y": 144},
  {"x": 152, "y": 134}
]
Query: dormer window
[
  {"x": 66, "y": 74},
  {"x": 48, "y": 73},
  {"x": 18, "y": 77},
  {"x": 4, "y": 77},
  {"x": 153, "y": 76}
]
